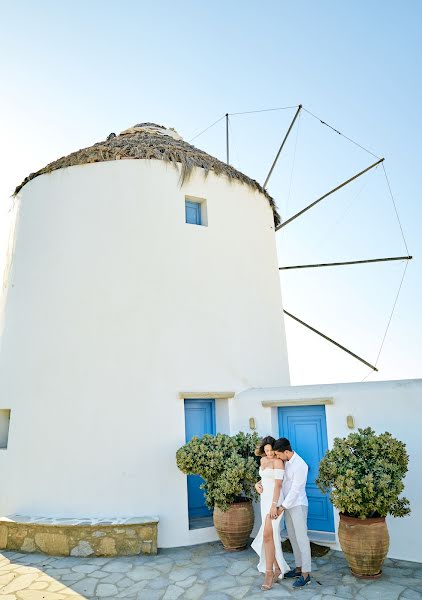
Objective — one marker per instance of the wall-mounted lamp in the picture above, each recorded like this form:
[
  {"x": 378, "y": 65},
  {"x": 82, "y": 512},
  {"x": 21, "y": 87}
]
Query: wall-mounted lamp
[
  {"x": 252, "y": 424},
  {"x": 350, "y": 420}
]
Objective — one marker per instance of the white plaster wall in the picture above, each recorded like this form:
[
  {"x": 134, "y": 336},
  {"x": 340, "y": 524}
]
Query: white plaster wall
[
  {"x": 115, "y": 305},
  {"x": 393, "y": 406}
]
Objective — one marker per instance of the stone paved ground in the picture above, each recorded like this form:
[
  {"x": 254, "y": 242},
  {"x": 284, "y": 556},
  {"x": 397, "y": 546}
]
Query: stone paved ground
[{"x": 204, "y": 572}]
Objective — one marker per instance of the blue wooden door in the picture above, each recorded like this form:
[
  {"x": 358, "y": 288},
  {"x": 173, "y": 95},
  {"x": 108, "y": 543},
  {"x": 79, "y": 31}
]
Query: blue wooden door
[
  {"x": 305, "y": 427},
  {"x": 199, "y": 419}
]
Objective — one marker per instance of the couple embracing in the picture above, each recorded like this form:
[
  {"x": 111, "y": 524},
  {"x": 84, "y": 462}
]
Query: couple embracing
[{"x": 282, "y": 491}]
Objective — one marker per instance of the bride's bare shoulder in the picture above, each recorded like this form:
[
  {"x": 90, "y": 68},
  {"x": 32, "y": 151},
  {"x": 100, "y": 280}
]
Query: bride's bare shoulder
[{"x": 278, "y": 464}]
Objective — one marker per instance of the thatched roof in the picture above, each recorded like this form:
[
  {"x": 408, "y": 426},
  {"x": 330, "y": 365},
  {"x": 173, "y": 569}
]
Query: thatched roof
[{"x": 151, "y": 141}]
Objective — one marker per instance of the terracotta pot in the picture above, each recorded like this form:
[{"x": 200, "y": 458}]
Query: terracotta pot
[
  {"x": 365, "y": 544},
  {"x": 235, "y": 525}
]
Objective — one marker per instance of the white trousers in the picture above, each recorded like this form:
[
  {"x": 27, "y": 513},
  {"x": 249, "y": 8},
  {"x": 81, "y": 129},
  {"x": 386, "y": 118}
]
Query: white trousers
[{"x": 297, "y": 529}]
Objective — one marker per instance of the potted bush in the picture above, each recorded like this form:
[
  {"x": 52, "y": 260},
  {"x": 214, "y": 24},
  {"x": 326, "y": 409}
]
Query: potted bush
[
  {"x": 364, "y": 473},
  {"x": 229, "y": 468}
]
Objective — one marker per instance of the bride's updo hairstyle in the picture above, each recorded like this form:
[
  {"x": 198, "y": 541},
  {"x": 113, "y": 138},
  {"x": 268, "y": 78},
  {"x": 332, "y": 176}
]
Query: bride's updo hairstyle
[{"x": 264, "y": 442}]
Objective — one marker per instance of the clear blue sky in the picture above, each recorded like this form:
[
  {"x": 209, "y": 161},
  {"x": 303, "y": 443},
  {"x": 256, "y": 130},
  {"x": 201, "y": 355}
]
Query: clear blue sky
[{"x": 73, "y": 72}]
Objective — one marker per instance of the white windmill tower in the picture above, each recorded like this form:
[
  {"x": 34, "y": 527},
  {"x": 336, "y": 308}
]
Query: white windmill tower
[{"x": 144, "y": 276}]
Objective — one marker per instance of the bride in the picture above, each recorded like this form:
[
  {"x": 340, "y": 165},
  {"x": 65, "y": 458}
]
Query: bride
[{"x": 267, "y": 543}]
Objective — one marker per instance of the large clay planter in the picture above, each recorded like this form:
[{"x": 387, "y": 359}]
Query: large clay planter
[
  {"x": 235, "y": 525},
  {"x": 365, "y": 544}
]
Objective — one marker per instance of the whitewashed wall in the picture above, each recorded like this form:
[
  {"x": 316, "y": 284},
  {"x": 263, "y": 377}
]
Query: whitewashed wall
[
  {"x": 114, "y": 306},
  {"x": 394, "y": 406}
]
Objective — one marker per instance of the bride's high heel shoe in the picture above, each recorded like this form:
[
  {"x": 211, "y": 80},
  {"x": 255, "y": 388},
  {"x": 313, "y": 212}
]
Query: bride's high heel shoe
[
  {"x": 267, "y": 586},
  {"x": 277, "y": 573}
]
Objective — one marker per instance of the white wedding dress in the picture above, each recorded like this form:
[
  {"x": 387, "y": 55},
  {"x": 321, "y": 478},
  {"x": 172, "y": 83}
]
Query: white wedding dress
[{"x": 268, "y": 478}]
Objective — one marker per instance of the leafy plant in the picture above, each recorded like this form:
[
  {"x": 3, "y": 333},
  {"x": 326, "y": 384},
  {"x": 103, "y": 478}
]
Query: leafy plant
[
  {"x": 227, "y": 465},
  {"x": 364, "y": 473}
]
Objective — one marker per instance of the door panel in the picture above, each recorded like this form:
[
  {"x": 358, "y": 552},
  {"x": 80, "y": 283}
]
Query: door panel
[
  {"x": 199, "y": 419},
  {"x": 305, "y": 427}
]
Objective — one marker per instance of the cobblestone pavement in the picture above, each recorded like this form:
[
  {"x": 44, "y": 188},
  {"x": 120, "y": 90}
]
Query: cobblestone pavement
[{"x": 204, "y": 572}]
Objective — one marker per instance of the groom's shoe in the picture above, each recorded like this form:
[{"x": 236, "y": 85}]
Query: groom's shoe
[
  {"x": 293, "y": 573},
  {"x": 301, "y": 582}
]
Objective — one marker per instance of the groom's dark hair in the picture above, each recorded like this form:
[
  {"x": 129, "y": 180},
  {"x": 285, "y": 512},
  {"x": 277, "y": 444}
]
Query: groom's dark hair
[{"x": 282, "y": 444}]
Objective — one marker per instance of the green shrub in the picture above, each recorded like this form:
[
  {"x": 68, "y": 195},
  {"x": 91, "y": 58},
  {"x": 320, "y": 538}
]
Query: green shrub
[
  {"x": 364, "y": 473},
  {"x": 227, "y": 464}
]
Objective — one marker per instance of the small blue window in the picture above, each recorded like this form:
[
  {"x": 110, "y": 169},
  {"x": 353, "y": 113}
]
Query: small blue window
[{"x": 193, "y": 212}]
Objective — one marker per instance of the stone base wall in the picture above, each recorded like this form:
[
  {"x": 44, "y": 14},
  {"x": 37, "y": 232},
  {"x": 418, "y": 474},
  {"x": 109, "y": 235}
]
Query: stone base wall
[{"x": 62, "y": 538}]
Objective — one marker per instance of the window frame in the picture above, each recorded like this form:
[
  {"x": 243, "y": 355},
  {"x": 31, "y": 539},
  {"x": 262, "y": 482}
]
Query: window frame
[{"x": 201, "y": 207}]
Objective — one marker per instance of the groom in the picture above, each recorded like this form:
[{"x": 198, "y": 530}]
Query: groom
[{"x": 295, "y": 506}]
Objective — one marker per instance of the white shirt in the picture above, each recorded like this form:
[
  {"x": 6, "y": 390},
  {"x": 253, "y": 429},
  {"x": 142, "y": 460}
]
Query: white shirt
[{"x": 295, "y": 475}]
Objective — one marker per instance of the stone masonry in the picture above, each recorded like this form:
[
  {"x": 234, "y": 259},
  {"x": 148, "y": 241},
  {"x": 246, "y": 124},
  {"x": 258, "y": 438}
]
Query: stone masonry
[{"x": 79, "y": 537}]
